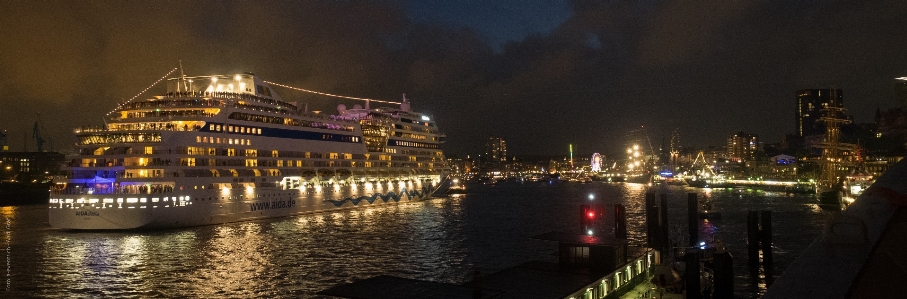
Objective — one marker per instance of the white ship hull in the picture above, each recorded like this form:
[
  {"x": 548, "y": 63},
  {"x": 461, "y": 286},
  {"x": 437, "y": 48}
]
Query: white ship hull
[
  {"x": 219, "y": 149},
  {"x": 207, "y": 207}
]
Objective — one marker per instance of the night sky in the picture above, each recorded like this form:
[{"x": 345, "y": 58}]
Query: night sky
[{"x": 540, "y": 74}]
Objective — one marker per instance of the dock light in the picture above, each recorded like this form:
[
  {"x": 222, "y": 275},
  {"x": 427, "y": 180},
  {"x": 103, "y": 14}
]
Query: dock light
[
  {"x": 589, "y": 232},
  {"x": 591, "y": 196}
]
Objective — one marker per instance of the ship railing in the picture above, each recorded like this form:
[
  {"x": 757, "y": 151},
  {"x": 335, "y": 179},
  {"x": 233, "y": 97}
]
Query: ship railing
[
  {"x": 230, "y": 95},
  {"x": 165, "y": 114},
  {"x": 142, "y": 127},
  {"x": 196, "y": 102},
  {"x": 157, "y": 189}
]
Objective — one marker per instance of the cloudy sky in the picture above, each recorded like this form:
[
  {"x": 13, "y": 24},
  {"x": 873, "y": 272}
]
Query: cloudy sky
[{"x": 540, "y": 74}]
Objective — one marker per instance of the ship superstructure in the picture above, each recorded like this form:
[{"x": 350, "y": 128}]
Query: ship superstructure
[{"x": 216, "y": 149}]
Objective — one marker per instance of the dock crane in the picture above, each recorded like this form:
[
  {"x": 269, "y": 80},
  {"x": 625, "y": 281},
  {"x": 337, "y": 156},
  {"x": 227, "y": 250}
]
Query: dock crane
[{"x": 36, "y": 134}]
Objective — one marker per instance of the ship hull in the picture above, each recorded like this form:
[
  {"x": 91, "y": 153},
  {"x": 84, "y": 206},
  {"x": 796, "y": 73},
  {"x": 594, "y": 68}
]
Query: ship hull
[{"x": 208, "y": 207}]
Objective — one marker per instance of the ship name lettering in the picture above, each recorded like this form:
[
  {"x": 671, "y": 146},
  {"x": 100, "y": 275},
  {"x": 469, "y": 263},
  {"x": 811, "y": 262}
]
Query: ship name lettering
[
  {"x": 87, "y": 213},
  {"x": 279, "y": 204}
]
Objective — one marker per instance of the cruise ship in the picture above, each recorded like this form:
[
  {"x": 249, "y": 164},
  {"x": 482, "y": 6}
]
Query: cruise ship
[{"x": 227, "y": 148}]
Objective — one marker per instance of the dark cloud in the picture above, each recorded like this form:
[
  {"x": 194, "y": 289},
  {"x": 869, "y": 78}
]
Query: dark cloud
[{"x": 706, "y": 69}]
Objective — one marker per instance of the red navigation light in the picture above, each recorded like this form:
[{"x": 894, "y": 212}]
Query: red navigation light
[{"x": 591, "y": 214}]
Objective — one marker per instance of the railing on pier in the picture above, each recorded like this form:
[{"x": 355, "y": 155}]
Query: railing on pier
[{"x": 621, "y": 281}]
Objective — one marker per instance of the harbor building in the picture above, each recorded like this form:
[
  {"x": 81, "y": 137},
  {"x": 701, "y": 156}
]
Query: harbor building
[
  {"x": 810, "y": 103},
  {"x": 742, "y": 146},
  {"x": 496, "y": 149}
]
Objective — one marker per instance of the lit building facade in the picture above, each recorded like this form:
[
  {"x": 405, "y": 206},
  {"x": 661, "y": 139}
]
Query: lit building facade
[
  {"x": 496, "y": 150},
  {"x": 810, "y": 103},
  {"x": 742, "y": 146}
]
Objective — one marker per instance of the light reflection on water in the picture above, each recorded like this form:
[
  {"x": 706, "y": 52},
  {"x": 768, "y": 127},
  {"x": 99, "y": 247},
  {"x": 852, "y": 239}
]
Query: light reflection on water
[{"x": 442, "y": 240}]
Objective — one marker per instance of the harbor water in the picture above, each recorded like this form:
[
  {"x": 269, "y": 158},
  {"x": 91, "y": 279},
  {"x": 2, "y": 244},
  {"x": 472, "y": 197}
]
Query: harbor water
[{"x": 443, "y": 240}]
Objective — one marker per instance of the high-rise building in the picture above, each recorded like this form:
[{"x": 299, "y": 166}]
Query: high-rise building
[
  {"x": 496, "y": 150},
  {"x": 742, "y": 146},
  {"x": 900, "y": 92},
  {"x": 810, "y": 105},
  {"x": 3, "y": 146}
]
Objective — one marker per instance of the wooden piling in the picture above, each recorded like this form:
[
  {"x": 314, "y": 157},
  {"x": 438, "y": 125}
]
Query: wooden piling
[
  {"x": 752, "y": 237},
  {"x": 691, "y": 275},
  {"x": 652, "y": 228},
  {"x": 663, "y": 233},
  {"x": 693, "y": 219},
  {"x": 765, "y": 237},
  {"x": 620, "y": 222},
  {"x": 724, "y": 275}
]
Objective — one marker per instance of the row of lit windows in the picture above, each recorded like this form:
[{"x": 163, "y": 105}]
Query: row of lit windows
[
  {"x": 119, "y": 138},
  {"x": 218, "y": 140},
  {"x": 416, "y": 144},
  {"x": 234, "y": 129}
]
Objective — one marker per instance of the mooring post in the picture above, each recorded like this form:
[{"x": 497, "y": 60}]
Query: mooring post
[
  {"x": 724, "y": 275},
  {"x": 752, "y": 237},
  {"x": 620, "y": 222},
  {"x": 691, "y": 275},
  {"x": 663, "y": 233},
  {"x": 693, "y": 219},
  {"x": 765, "y": 237},
  {"x": 652, "y": 228}
]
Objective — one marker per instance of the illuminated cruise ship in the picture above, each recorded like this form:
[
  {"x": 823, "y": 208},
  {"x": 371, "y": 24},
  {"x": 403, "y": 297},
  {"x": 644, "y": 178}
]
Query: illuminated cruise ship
[{"x": 218, "y": 149}]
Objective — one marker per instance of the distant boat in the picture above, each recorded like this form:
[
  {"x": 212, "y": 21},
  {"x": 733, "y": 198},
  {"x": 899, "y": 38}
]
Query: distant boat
[{"x": 707, "y": 211}]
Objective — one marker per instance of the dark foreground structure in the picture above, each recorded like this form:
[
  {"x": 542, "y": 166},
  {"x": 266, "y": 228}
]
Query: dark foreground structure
[
  {"x": 863, "y": 251},
  {"x": 588, "y": 267}
]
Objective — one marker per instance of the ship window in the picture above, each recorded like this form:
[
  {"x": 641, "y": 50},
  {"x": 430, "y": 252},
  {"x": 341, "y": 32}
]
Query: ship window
[
  {"x": 211, "y": 127},
  {"x": 259, "y": 131}
]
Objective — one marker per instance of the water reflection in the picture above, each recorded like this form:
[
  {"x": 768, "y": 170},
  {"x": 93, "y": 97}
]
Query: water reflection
[{"x": 443, "y": 240}]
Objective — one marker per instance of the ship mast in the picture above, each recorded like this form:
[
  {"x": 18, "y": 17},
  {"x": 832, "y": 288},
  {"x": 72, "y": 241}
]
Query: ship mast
[{"x": 832, "y": 147}]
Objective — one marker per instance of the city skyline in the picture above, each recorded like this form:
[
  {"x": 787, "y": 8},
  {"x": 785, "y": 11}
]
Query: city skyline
[{"x": 540, "y": 76}]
